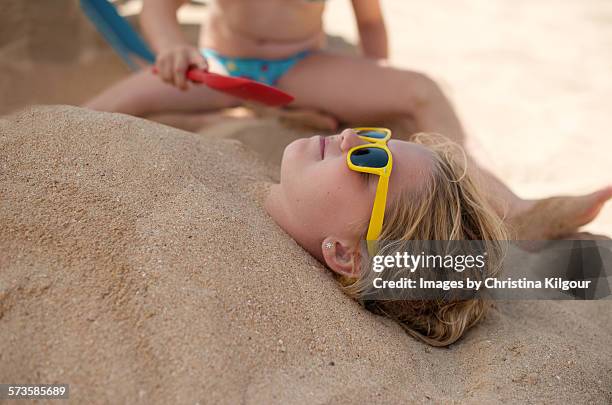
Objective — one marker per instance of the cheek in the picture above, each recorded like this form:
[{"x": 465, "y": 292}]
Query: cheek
[
  {"x": 326, "y": 195},
  {"x": 319, "y": 184},
  {"x": 337, "y": 192},
  {"x": 317, "y": 191}
]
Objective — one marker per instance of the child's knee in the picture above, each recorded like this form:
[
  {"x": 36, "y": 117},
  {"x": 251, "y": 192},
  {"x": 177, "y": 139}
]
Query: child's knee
[{"x": 422, "y": 90}]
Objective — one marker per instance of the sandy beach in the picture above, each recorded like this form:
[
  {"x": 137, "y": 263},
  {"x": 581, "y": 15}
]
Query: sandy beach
[{"x": 138, "y": 266}]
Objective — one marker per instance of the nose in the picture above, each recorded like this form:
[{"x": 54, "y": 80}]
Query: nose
[{"x": 350, "y": 140}]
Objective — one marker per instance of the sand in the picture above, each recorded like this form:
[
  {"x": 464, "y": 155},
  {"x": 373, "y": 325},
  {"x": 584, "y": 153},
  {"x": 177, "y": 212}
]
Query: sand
[{"x": 138, "y": 266}]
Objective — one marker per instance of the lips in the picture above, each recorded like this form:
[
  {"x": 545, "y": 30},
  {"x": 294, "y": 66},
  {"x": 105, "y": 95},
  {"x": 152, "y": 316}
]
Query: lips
[{"x": 322, "y": 142}]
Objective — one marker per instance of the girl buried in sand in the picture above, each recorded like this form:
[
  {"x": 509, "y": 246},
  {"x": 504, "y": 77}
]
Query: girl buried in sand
[{"x": 333, "y": 194}]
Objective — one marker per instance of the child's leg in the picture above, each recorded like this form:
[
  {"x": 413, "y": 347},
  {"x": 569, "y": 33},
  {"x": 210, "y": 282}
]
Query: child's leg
[
  {"x": 555, "y": 217},
  {"x": 362, "y": 91},
  {"x": 356, "y": 89},
  {"x": 144, "y": 95}
]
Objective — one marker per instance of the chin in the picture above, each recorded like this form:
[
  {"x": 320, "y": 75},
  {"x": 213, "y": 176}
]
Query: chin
[
  {"x": 288, "y": 161},
  {"x": 296, "y": 145},
  {"x": 293, "y": 153}
]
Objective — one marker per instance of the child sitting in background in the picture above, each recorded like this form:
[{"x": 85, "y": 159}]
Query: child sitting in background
[{"x": 280, "y": 43}]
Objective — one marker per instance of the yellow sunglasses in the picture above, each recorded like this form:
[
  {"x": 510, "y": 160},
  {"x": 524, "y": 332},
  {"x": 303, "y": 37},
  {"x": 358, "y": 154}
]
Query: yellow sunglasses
[{"x": 373, "y": 158}]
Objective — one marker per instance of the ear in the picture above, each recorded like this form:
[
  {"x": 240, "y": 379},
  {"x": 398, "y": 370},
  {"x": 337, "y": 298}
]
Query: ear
[{"x": 342, "y": 257}]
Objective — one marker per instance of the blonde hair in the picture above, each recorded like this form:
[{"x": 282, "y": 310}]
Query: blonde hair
[{"x": 448, "y": 206}]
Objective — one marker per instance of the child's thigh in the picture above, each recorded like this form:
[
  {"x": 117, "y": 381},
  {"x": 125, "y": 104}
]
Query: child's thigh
[
  {"x": 143, "y": 93},
  {"x": 355, "y": 88}
]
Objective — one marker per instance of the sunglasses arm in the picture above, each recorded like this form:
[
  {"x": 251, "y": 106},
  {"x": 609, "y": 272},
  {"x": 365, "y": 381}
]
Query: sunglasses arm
[{"x": 378, "y": 213}]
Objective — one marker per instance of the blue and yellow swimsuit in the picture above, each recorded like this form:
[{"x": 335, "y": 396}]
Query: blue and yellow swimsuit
[
  {"x": 262, "y": 70},
  {"x": 267, "y": 71}
]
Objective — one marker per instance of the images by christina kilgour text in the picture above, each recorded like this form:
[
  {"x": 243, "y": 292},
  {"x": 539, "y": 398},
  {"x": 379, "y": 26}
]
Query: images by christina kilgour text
[{"x": 458, "y": 263}]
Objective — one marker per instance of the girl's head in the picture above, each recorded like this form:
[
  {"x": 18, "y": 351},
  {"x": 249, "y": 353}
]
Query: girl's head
[{"x": 326, "y": 208}]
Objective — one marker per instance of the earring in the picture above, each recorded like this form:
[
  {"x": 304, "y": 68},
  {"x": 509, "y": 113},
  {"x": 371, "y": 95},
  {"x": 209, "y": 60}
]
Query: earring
[{"x": 329, "y": 245}]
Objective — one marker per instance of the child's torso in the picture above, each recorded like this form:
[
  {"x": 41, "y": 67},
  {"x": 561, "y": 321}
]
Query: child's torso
[{"x": 270, "y": 29}]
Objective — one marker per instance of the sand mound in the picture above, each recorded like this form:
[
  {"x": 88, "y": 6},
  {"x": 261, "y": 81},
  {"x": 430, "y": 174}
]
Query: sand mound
[{"x": 138, "y": 266}]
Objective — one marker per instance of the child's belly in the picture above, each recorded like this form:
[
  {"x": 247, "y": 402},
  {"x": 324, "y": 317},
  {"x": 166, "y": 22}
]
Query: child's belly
[{"x": 268, "y": 29}]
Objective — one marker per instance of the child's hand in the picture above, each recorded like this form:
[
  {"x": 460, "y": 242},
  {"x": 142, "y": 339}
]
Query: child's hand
[{"x": 172, "y": 63}]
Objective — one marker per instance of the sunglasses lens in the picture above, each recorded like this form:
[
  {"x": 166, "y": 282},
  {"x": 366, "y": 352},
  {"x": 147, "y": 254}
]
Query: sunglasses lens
[
  {"x": 370, "y": 157},
  {"x": 372, "y": 134}
]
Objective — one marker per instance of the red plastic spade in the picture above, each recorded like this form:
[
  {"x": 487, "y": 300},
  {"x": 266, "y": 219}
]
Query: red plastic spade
[{"x": 240, "y": 87}]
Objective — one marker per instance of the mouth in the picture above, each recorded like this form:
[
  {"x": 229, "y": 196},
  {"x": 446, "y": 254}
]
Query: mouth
[{"x": 322, "y": 143}]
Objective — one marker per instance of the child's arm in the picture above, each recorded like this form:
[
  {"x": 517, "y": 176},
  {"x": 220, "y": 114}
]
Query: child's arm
[
  {"x": 174, "y": 53},
  {"x": 372, "y": 31}
]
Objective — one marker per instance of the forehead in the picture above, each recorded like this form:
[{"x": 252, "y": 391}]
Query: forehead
[{"x": 412, "y": 165}]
